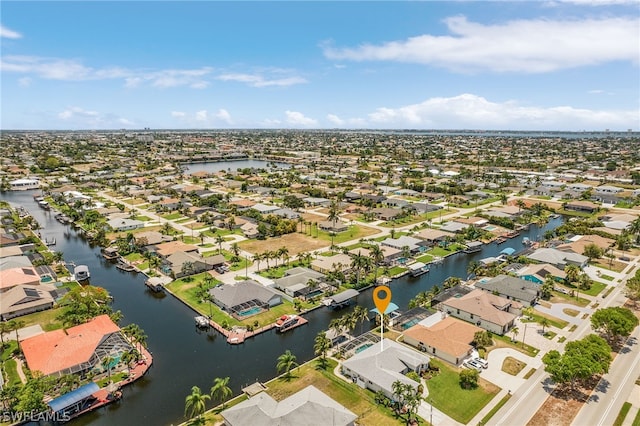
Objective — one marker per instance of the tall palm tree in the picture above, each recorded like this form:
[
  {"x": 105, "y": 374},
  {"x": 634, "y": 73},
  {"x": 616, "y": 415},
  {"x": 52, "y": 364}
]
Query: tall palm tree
[
  {"x": 196, "y": 403},
  {"x": 360, "y": 314},
  {"x": 321, "y": 345},
  {"x": 572, "y": 272},
  {"x": 377, "y": 256},
  {"x": 257, "y": 258},
  {"x": 219, "y": 241},
  {"x": 220, "y": 391},
  {"x": 286, "y": 362},
  {"x": 334, "y": 213},
  {"x": 283, "y": 253},
  {"x": 515, "y": 332},
  {"x": 106, "y": 365}
]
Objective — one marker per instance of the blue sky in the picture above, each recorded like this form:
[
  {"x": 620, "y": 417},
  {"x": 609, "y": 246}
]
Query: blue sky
[{"x": 538, "y": 65}]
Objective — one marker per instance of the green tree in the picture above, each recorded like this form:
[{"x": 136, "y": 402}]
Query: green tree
[
  {"x": 469, "y": 378},
  {"x": 195, "y": 404},
  {"x": 544, "y": 322},
  {"x": 482, "y": 339},
  {"x": 581, "y": 360},
  {"x": 219, "y": 241},
  {"x": 592, "y": 251},
  {"x": 614, "y": 323},
  {"x": 220, "y": 391},
  {"x": 321, "y": 345},
  {"x": 632, "y": 288},
  {"x": 547, "y": 288},
  {"x": 286, "y": 362},
  {"x": 360, "y": 314},
  {"x": 106, "y": 363}
]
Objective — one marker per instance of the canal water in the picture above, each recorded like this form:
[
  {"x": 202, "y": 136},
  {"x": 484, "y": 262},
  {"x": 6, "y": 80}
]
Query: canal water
[
  {"x": 214, "y": 167},
  {"x": 184, "y": 356}
]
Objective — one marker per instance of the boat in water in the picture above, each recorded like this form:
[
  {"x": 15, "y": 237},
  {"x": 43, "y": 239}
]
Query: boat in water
[
  {"x": 473, "y": 247},
  {"x": 417, "y": 269},
  {"x": 81, "y": 272},
  {"x": 202, "y": 321},
  {"x": 110, "y": 253},
  {"x": 287, "y": 322},
  {"x": 126, "y": 267}
]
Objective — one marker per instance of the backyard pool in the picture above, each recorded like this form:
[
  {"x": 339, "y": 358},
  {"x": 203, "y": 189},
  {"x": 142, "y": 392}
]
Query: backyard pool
[
  {"x": 363, "y": 347},
  {"x": 251, "y": 311}
]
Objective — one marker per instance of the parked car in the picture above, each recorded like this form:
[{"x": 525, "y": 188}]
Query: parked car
[
  {"x": 483, "y": 362},
  {"x": 471, "y": 364}
]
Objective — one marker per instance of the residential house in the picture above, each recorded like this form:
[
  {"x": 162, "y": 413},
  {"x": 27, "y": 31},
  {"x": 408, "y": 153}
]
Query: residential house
[
  {"x": 317, "y": 201},
  {"x": 165, "y": 250},
  {"x": 26, "y": 299},
  {"x": 264, "y": 208},
  {"x": 390, "y": 254},
  {"x": 558, "y": 258},
  {"x": 151, "y": 238},
  {"x": 386, "y": 213},
  {"x": 454, "y": 227},
  {"x": 24, "y": 184},
  {"x": 8, "y": 239},
  {"x": 125, "y": 224},
  {"x": 380, "y": 365},
  {"x": 309, "y": 407},
  {"x": 12, "y": 277},
  {"x": 445, "y": 337},
  {"x": 582, "y": 206},
  {"x": 333, "y": 226},
  {"x": 231, "y": 297},
  {"x": 324, "y": 264},
  {"x": 472, "y": 221},
  {"x": 415, "y": 245},
  {"x": 195, "y": 264},
  {"x": 300, "y": 281},
  {"x": 434, "y": 236},
  {"x": 286, "y": 213},
  {"x": 512, "y": 288},
  {"x": 483, "y": 309},
  {"x": 538, "y": 273},
  {"x": 169, "y": 204},
  {"x": 77, "y": 350}
]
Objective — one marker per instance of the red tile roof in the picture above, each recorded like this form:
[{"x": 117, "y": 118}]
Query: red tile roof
[{"x": 56, "y": 350}]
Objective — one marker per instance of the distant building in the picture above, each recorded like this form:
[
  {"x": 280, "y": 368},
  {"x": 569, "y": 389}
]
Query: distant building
[{"x": 24, "y": 184}]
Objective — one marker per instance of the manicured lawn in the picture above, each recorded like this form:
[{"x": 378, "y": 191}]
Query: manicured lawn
[
  {"x": 495, "y": 409},
  {"x": 9, "y": 347},
  {"x": 183, "y": 220},
  {"x": 512, "y": 366},
  {"x": 506, "y": 342},
  {"x": 418, "y": 218},
  {"x": 143, "y": 218},
  {"x": 355, "y": 232},
  {"x": 115, "y": 378},
  {"x": 172, "y": 216},
  {"x": 566, "y": 298},
  {"x": 396, "y": 270},
  {"x": 425, "y": 258},
  {"x": 360, "y": 401},
  {"x": 187, "y": 291},
  {"x": 133, "y": 257},
  {"x": 46, "y": 319},
  {"x": 460, "y": 404},
  {"x": 556, "y": 322},
  {"x": 441, "y": 252},
  {"x": 622, "y": 414},
  {"x": 596, "y": 288},
  {"x": 11, "y": 368}
]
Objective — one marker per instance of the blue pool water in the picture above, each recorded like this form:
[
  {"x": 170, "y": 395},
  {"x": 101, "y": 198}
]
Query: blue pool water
[
  {"x": 410, "y": 323},
  {"x": 314, "y": 293},
  {"x": 363, "y": 347},
  {"x": 251, "y": 311}
]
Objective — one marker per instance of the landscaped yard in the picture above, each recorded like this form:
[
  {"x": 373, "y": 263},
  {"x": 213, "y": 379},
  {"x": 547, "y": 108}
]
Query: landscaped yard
[
  {"x": 355, "y": 232},
  {"x": 460, "y": 404},
  {"x": 46, "y": 319},
  {"x": 512, "y": 366},
  {"x": 418, "y": 218},
  {"x": 295, "y": 242}
]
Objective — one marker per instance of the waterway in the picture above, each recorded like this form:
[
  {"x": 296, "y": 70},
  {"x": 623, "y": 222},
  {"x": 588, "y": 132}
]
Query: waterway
[
  {"x": 184, "y": 356},
  {"x": 216, "y": 166}
]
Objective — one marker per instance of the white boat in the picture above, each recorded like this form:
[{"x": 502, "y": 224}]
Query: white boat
[
  {"x": 417, "y": 269},
  {"x": 202, "y": 321},
  {"x": 286, "y": 322},
  {"x": 81, "y": 272}
]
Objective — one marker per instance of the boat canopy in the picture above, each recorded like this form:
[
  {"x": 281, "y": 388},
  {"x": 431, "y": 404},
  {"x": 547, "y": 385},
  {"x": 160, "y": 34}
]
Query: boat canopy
[{"x": 73, "y": 397}]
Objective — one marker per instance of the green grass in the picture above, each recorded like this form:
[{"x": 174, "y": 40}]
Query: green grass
[
  {"x": 556, "y": 322},
  {"x": 396, "y": 270},
  {"x": 622, "y": 414},
  {"x": 525, "y": 349},
  {"x": 418, "y": 218},
  {"x": 143, "y": 218},
  {"x": 183, "y": 220},
  {"x": 460, "y": 404},
  {"x": 11, "y": 369},
  {"x": 354, "y": 232},
  {"x": 636, "y": 420},
  {"x": 172, "y": 216},
  {"x": 606, "y": 277},
  {"x": 425, "y": 258},
  {"x": 529, "y": 373},
  {"x": 115, "y": 378},
  {"x": 133, "y": 257},
  {"x": 441, "y": 252},
  {"x": 550, "y": 334},
  {"x": 187, "y": 291},
  {"x": 495, "y": 409},
  {"x": 46, "y": 319}
]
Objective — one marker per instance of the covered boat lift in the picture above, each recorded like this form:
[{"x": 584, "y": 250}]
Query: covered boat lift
[{"x": 342, "y": 299}]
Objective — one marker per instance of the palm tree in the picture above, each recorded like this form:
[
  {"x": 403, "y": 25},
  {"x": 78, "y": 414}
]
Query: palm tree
[
  {"x": 257, "y": 258},
  {"x": 283, "y": 253},
  {"x": 195, "y": 404},
  {"x": 321, "y": 346},
  {"x": 235, "y": 248},
  {"x": 572, "y": 272},
  {"x": 5, "y": 327},
  {"x": 106, "y": 365},
  {"x": 634, "y": 229},
  {"x": 126, "y": 358},
  {"x": 221, "y": 390},
  {"x": 16, "y": 325},
  {"x": 377, "y": 256},
  {"x": 515, "y": 332},
  {"x": 334, "y": 214},
  {"x": 360, "y": 314},
  {"x": 521, "y": 205},
  {"x": 219, "y": 241},
  {"x": 544, "y": 322},
  {"x": 286, "y": 362}
]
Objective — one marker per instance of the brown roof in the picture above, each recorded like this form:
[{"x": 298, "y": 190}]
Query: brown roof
[
  {"x": 17, "y": 276},
  {"x": 483, "y": 304},
  {"x": 451, "y": 336},
  {"x": 59, "y": 349},
  {"x": 166, "y": 249}
]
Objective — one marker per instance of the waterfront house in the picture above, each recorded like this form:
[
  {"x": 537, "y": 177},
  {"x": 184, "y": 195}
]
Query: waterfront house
[
  {"x": 377, "y": 367},
  {"x": 12, "y": 277},
  {"x": 125, "y": 224},
  {"x": 26, "y": 299},
  {"x": 483, "y": 309},
  {"x": 308, "y": 406},
  {"x": 414, "y": 244},
  {"x": 434, "y": 236},
  {"x": 77, "y": 350},
  {"x": 231, "y": 297},
  {"x": 538, "y": 272},
  {"x": 389, "y": 254},
  {"x": 445, "y": 337},
  {"x": 24, "y": 184},
  {"x": 324, "y": 264},
  {"x": 558, "y": 258},
  {"x": 512, "y": 288},
  {"x": 582, "y": 206},
  {"x": 165, "y": 250},
  {"x": 300, "y": 281},
  {"x": 181, "y": 264}
]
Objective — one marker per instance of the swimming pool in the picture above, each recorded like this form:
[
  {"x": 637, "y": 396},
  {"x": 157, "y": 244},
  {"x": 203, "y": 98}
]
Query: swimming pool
[
  {"x": 490, "y": 228},
  {"x": 410, "y": 323},
  {"x": 363, "y": 347},
  {"x": 314, "y": 293},
  {"x": 250, "y": 311}
]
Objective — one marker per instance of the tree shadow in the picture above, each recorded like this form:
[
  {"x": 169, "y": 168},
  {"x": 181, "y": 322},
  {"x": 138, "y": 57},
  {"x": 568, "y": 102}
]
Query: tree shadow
[{"x": 603, "y": 385}]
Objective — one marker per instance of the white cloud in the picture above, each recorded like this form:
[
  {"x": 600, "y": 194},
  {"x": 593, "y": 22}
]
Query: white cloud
[
  {"x": 335, "y": 119},
  {"x": 178, "y": 114},
  {"x": 80, "y": 118},
  {"x": 224, "y": 115},
  {"x": 7, "y": 33},
  {"x": 530, "y": 46},
  {"x": 476, "y": 112},
  {"x": 24, "y": 82},
  {"x": 297, "y": 119},
  {"x": 74, "y": 70},
  {"x": 201, "y": 115},
  {"x": 259, "y": 80}
]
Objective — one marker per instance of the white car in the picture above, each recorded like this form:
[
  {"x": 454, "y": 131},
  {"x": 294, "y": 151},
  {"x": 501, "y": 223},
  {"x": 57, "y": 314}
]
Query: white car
[
  {"x": 483, "y": 362},
  {"x": 471, "y": 364}
]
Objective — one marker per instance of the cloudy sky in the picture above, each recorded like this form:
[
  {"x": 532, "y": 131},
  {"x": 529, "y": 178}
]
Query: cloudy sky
[{"x": 534, "y": 65}]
